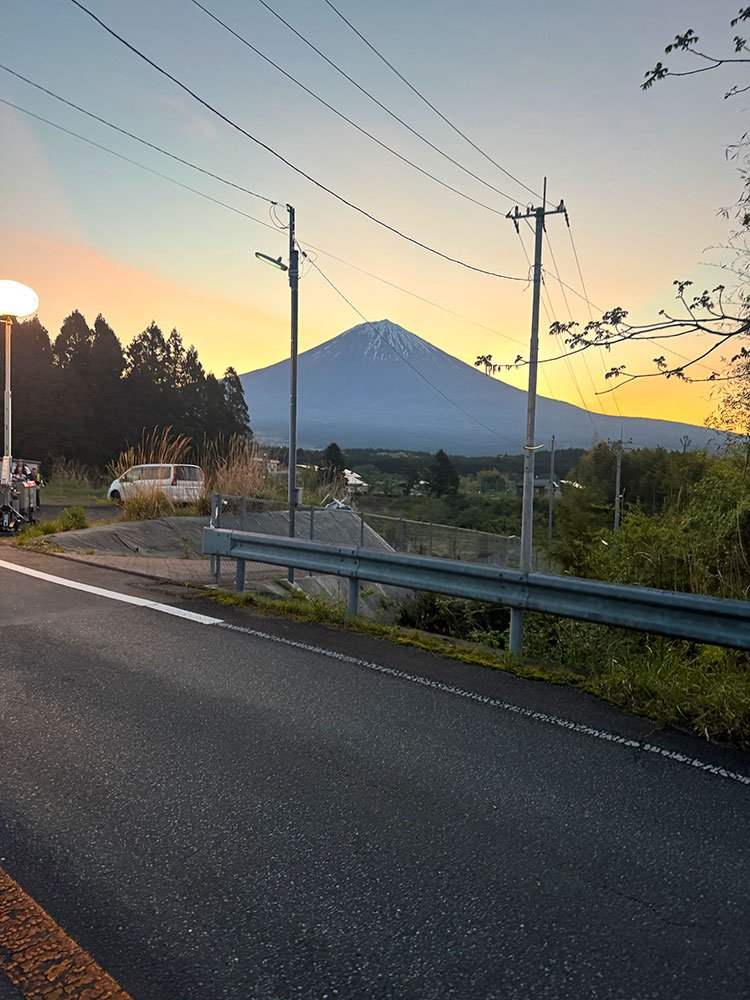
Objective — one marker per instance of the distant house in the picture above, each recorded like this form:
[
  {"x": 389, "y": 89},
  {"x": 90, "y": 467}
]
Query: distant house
[
  {"x": 355, "y": 483},
  {"x": 541, "y": 487}
]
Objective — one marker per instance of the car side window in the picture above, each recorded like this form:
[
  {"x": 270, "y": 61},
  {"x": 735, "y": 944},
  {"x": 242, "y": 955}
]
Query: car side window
[
  {"x": 133, "y": 475},
  {"x": 159, "y": 472},
  {"x": 188, "y": 473}
]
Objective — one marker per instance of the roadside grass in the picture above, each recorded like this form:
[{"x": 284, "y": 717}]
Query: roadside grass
[
  {"x": 70, "y": 519},
  {"x": 71, "y": 481},
  {"x": 702, "y": 689},
  {"x": 319, "y": 610}
]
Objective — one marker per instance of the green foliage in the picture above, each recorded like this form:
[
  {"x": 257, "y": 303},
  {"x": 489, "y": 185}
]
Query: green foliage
[
  {"x": 654, "y": 482},
  {"x": 702, "y": 688},
  {"x": 72, "y": 519},
  {"x": 476, "y": 621},
  {"x": 702, "y": 547}
]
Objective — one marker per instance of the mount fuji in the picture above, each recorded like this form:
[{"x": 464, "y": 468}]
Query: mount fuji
[{"x": 379, "y": 386}]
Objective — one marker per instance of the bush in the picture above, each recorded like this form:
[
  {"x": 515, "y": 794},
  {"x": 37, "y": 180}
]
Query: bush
[{"x": 73, "y": 519}]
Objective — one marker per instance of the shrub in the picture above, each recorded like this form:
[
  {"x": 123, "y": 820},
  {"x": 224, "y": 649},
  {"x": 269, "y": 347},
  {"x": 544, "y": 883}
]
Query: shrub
[{"x": 72, "y": 519}]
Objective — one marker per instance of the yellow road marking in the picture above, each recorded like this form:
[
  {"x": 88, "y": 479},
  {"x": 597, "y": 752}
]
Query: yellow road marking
[{"x": 40, "y": 959}]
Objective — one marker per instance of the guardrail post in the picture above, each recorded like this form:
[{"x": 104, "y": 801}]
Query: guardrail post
[
  {"x": 361, "y": 531},
  {"x": 353, "y": 602},
  {"x": 240, "y": 577},
  {"x": 312, "y": 529}
]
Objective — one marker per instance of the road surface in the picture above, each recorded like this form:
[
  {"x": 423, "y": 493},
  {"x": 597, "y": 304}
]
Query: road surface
[{"x": 262, "y": 809}]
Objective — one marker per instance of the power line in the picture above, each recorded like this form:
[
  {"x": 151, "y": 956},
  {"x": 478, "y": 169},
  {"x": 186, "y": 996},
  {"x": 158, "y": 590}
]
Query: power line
[
  {"x": 135, "y": 163},
  {"x": 429, "y": 103},
  {"x": 384, "y": 107},
  {"x": 342, "y": 116},
  {"x": 570, "y": 317},
  {"x": 132, "y": 135},
  {"x": 588, "y": 304},
  {"x": 549, "y": 312},
  {"x": 409, "y": 364},
  {"x": 275, "y": 224},
  {"x": 283, "y": 159}
]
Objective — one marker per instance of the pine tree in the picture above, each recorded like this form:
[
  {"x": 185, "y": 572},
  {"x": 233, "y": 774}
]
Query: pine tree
[
  {"x": 444, "y": 478},
  {"x": 234, "y": 397}
]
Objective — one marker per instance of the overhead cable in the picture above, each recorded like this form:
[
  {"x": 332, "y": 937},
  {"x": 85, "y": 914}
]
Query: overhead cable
[
  {"x": 429, "y": 103},
  {"x": 132, "y": 135},
  {"x": 384, "y": 107},
  {"x": 342, "y": 116},
  {"x": 600, "y": 401},
  {"x": 319, "y": 184},
  {"x": 135, "y": 163},
  {"x": 276, "y": 223}
]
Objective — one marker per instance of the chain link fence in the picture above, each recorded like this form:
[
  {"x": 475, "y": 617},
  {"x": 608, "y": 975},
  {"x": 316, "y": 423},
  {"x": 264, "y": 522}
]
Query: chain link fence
[{"x": 372, "y": 531}]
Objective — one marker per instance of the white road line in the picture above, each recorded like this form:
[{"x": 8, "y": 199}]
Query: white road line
[
  {"x": 112, "y": 595},
  {"x": 506, "y": 706}
]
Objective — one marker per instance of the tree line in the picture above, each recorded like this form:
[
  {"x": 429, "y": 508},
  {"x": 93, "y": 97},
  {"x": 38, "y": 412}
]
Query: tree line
[{"x": 84, "y": 396}]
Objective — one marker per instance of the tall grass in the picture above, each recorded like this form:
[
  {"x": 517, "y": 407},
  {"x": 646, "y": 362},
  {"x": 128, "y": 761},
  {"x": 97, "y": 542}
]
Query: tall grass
[
  {"x": 146, "y": 505},
  {"x": 159, "y": 446},
  {"x": 235, "y": 466}
]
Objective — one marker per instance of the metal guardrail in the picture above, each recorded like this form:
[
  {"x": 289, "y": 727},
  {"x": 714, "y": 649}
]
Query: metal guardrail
[
  {"x": 422, "y": 538},
  {"x": 684, "y": 616}
]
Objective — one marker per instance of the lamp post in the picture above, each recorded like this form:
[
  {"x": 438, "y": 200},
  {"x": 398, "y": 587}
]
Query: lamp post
[
  {"x": 17, "y": 301},
  {"x": 293, "y": 269}
]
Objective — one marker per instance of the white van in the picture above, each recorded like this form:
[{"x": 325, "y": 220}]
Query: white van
[{"x": 181, "y": 483}]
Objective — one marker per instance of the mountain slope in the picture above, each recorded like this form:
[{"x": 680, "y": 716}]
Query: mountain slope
[{"x": 378, "y": 385}]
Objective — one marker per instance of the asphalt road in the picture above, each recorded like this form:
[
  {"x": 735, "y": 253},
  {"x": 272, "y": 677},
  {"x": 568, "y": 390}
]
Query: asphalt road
[{"x": 306, "y": 813}]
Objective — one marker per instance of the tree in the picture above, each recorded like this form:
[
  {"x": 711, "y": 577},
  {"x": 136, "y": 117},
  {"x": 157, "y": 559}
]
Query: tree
[
  {"x": 332, "y": 462},
  {"x": 444, "y": 479},
  {"x": 72, "y": 345},
  {"x": 234, "y": 397}
]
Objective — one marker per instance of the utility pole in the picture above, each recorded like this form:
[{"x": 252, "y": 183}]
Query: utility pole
[
  {"x": 551, "y": 483},
  {"x": 527, "y": 510},
  {"x": 618, "y": 447},
  {"x": 294, "y": 286}
]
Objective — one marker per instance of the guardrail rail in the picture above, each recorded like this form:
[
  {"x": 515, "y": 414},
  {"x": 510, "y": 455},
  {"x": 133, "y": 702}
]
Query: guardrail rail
[{"x": 686, "y": 616}]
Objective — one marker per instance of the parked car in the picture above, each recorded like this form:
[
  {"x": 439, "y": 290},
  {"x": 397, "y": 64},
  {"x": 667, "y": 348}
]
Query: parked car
[{"x": 181, "y": 483}]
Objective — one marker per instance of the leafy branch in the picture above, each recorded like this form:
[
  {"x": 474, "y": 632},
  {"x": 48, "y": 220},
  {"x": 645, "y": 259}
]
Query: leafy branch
[{"x": 687, "y": 43}]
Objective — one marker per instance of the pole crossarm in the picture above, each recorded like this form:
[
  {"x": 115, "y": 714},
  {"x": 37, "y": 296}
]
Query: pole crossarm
[{"x": 662, "y": 612}]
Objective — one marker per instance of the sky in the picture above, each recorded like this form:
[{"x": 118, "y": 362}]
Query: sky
[{"x": 547, "y": 89}]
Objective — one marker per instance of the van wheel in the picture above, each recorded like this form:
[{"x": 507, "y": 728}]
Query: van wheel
[{"x": 115, "y": 495}]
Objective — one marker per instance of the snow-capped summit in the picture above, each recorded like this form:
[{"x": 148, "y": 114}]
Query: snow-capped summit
[{"x": 378, "y": 385}]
